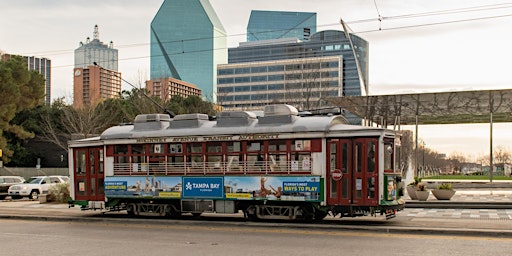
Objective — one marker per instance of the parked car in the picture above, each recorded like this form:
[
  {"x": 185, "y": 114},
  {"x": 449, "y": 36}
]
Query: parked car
[
  {"x": 6, "y": 182},
  {"x": 35, "y": 186}
]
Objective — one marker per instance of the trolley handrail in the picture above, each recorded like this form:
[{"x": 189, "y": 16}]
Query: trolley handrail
[{"x": 212, "y": 168}]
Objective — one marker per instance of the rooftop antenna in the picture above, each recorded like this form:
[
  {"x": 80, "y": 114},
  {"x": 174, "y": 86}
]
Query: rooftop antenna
[
  {"x": 362, "y": 83},
  {"x": 96, "y": 34},
  {"x": 164, "y": 109}
]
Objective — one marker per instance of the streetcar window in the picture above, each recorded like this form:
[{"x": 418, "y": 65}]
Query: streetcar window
[
  {"x": 120, "y": 149},
  {"x": 358, "y": 152},
  {"x": 233, "y": 146},
  {"x": 175, "y": 149},
  {"x": 233, "y": 163},
  {"x": 137, "y": 149},
  {"x": 92, "y": 161},
  {"x": 214, "y": 147},
  {"x": 254, "y": 146},
  {"x": 80, "y": 161},
  {"x": 333, "y": 189},
  {"x": 344, "y": 158},
  {"x": 371, "y": 157},
  {"x": 277, "y": 145},
  {"x": 195, "y": 148},
  {"x": 300, "y": 145},
  {"x": 214, "y": 162},
  {"x": 156, "y": 149},
  {"x": 344, "y": 188},
  {"x": 333, "y": 156},
  {"x": 101, "y": 167},
  {"x": 388, "y": 156},
  {"x": 371, "y": 187},
  {"x": 301, "y": 162}
]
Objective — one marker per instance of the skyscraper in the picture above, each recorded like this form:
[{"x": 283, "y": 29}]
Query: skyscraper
[
  {"x": 294, "y": 72},
  {"x": 188, "y": 41},
  {"x": 42, "y": 65},
  {"x": 93, "y": 83},
  {"x": 264, "y": 25},
  {"x": 96, "y": 51}
]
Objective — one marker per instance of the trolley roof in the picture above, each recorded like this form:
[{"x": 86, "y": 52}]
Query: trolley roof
[{"x": 277, "y": 119}]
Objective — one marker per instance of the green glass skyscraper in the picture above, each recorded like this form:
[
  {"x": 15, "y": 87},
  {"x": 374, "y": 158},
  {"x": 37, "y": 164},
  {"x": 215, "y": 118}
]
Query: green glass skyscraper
[
  {"x": 264, "y": 25},
  {"x": 188, "y": 41}
]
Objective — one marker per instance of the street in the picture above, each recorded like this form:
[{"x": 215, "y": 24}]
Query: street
[{"x": 45, "y": 238}]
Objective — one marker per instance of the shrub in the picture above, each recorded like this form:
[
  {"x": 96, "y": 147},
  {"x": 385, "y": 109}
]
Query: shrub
[
  {"x": 416, "y": 182},
  {"x": 58, "y": 193},
  {"x": 445, "y": 186}
]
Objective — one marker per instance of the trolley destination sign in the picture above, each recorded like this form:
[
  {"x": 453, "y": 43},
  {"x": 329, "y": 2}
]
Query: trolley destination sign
[{"x": 210, "y": 138}]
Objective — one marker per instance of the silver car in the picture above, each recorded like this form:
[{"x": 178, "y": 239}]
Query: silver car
[{"x": 35, "y": 186}]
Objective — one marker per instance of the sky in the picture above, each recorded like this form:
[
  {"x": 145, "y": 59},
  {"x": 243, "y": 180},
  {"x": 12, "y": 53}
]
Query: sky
[{"x": 417, "y": 46}]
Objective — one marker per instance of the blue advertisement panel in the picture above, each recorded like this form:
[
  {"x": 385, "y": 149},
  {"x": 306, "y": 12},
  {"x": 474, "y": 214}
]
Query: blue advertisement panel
[
  {"x": 296, "y": 188},
  {"x": 203, "y": 187},
  {"x": 143, "y": 186}
]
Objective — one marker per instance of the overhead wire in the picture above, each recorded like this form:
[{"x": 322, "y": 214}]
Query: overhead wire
[{"x": 379, "y": 19}]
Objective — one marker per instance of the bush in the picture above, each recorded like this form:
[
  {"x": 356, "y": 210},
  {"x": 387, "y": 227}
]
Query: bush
[
  {"x": 58, "y": 193},
  {"x": 445, "y": 186}
]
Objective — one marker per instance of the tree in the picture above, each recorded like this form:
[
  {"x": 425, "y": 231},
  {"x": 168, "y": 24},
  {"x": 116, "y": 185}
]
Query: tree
[
  {"x": 501, "y": 155},
  {"x": 20, "y": 89}
]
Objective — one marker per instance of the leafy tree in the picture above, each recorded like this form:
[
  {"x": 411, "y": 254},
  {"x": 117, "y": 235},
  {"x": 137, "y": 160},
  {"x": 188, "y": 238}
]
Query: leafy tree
[{"x": 20, "y": 89}]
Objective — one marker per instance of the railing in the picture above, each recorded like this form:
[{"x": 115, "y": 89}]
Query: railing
[{"x": 211, "y": 168}]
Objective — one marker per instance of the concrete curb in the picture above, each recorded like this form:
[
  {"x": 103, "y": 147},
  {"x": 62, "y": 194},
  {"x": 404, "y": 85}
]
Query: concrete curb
[
  {"x": 384, "y": 229},
  {"x": 458, "y": 205}
]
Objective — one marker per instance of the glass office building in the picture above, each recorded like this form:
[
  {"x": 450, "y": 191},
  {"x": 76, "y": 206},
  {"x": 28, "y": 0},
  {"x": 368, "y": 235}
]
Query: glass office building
[
  {"x": 271, "y": 71},
  {"x": 44, "y": 67},
  {"x": 188, "y": 41},
  {"x": 265, "y": 25},
  {"x": 96, "y": 51}
]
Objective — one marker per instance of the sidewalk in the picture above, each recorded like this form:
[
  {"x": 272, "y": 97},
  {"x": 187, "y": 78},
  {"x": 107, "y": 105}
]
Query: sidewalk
[{"x": 439, "y": 221}]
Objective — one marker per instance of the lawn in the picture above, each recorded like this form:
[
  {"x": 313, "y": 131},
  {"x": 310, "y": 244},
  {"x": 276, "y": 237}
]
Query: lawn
[{"x": 467, "y": 177}]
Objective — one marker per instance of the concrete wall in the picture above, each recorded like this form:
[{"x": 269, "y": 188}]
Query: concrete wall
[{"x": 26, "y": 172}]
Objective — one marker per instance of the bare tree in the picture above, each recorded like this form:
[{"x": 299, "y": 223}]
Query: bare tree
[{"x": 501, "y": 155}]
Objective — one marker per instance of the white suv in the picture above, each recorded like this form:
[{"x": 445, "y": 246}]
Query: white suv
[{"x": 34, "y": 186}]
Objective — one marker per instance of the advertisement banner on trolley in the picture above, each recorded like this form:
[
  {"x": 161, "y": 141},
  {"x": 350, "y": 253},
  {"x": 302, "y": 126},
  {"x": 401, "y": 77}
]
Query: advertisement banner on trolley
[
  {"x": 292, "y": 188},
  {"x": 143, "y": 186}
]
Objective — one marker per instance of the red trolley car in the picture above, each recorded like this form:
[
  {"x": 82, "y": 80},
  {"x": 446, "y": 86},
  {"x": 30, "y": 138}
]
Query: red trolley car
[{"x": 276, "y": 166}]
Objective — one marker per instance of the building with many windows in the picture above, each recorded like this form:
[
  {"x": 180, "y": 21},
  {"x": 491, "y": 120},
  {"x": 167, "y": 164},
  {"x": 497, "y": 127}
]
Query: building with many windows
[
  {"x": 265, "y": 25},
  {"x": 166, "y": 88},
  {"x": 300, "y": 73},
  {"x": 43, "y": 66},
  {"x": 301, "y": 82},
  {"x": 188, "y": 41},
  {"x": 95, "y": 73},
  {"x": 93, "y": 84},
  {"x": 97, "y": 52}
]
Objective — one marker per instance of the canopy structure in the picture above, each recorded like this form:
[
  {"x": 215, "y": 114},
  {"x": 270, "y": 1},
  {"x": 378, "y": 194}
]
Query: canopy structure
[
  {"x": 457, "y": 107},
  {"x": 430, "y": 108}
]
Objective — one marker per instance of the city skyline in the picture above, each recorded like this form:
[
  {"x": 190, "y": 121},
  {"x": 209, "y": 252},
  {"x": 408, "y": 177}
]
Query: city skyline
[{"x": 466, "y": 50}]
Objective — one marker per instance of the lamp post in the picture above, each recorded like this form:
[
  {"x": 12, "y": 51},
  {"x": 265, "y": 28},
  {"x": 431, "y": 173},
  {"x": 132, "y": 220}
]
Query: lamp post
[{"x": 423, "y": 164}]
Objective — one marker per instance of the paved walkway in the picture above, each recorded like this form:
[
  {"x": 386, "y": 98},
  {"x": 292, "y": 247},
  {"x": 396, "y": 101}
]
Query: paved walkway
[{"x": 473, "y": 195}]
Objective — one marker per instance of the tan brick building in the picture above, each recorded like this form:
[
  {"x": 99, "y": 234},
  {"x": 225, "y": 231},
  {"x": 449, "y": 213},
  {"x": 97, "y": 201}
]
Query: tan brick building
[{"x": 165, "y": 88}]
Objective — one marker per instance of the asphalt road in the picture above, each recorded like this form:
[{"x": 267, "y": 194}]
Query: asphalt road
[
  {"x": 49, "y": 238},
  {"x": 409, "y": 221}
]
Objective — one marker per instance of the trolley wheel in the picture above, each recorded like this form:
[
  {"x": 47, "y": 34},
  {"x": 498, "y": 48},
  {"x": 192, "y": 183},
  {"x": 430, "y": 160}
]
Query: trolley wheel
[
  {"x": 320, "y": 215},
  {"x": 250, "y": 213},
  {"x": 130, "y": 210}
]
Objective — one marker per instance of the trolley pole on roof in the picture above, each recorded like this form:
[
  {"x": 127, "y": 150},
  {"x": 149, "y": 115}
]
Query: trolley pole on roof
[{"x": 165, "y": 110}]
